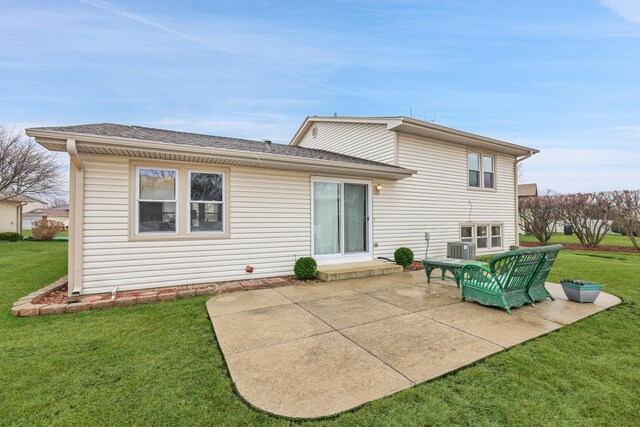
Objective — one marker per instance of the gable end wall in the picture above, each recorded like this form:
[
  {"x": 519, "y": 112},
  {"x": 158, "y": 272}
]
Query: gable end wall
[{"x": 365, "y": 140}]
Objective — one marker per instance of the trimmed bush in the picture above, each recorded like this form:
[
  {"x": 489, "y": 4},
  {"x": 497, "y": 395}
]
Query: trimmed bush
[
  {"x": 10, "y": 236},
  {"x": 46, "y": 229},
  {"x": 403, "y": 256},
  {"x": 305, "y": 268}
]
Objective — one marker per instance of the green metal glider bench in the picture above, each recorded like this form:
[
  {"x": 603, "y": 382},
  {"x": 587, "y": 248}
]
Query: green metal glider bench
[{"x": 513, "y": 278}]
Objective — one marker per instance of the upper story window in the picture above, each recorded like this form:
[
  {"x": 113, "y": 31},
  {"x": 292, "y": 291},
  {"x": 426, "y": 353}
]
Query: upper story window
[
  {"x": 206, "y": 203},
  {"x": 481, "y": 170},
  {"x": 156, "y": 200}
]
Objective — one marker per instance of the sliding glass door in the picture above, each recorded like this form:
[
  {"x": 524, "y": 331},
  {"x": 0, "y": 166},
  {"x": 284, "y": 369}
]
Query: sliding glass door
[{"x": 341, "y": 223}]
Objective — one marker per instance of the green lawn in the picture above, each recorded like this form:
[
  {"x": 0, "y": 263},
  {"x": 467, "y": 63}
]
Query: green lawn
[
  {"x": 608, "y": 240},
  {"x": 159, "y": 364}
]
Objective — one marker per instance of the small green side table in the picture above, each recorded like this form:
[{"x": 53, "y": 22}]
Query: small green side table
[{"x": 453, "y": 265}]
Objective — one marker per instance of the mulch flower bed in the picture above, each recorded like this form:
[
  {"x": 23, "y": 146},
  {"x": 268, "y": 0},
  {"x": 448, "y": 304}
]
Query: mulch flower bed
[{"x": 576, "y": 247}]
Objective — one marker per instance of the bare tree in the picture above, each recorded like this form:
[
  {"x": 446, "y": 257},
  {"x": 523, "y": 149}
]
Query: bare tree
[
  {"x": 56, "y": 202},
  {"x": 628, "y": 216},
  {"x": 539, "y": 215},
  {"x": 25, "y": 168},
  {"x": 589, "y": 214}
]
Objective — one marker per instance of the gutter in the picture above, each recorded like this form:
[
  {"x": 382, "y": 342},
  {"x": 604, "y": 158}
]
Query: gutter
[{"x": 515, "y": 174}]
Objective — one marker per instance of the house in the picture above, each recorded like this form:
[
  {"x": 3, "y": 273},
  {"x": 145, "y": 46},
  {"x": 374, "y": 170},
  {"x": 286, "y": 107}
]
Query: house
[
  {"x": 152, "y": 207},
  {"x": 527, "y": 190},
  {"x": 59, "y": 213},
  {"x": 12, "y": 209}
]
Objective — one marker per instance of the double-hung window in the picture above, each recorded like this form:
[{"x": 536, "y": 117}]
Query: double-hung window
[
  {"x": 496, "y": 236},
  {"x": 481, "y": 170},
  {"x": 466, "y": 233},
  {"x": 481, "y": 237},
  {"x": 206, "y": 202},
  {"x": 474, "y": 170},
  {"x": 156, "y": 200},
  {"x": 487, "y": 170}
]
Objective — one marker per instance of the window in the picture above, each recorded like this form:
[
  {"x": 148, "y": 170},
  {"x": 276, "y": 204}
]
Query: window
[
  {"x": 466, "y": 234},
  {"x": 481, "y": 170},
  {"x": 474, "y": 170},
  {"x": 487, "y": 168},
  {"x": 485, "y": 236},
  {"x": 496, "y": 236},
  {"x": 481, "y": 237},
  {"x": 206, "y": 202},
  {"x": 156, "y": 200}
]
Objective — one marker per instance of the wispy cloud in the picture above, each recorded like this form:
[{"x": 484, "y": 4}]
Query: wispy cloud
[
  {"x": 225, "y": 49},
  {"x": 628, "y": 9}
]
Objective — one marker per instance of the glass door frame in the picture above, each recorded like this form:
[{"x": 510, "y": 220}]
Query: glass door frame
[{"x": 342, "y": 256}]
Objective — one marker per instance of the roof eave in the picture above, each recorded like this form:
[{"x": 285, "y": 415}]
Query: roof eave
[
  {"x": 420, "y": 128},
  {"x": 442, "y": 133},
  {"x": 56, "y": 141}
]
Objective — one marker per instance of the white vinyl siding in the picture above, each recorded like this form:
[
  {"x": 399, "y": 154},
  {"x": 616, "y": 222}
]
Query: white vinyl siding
[
  {"x": 437, "y": 200},
  {"x": 9, "y": 217},
  {"x": 270, "y": 223},
  {"x": 364, "y": 140}
]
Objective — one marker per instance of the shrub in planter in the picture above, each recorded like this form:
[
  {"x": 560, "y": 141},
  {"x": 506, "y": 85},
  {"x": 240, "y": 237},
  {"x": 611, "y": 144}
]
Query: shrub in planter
[
  {"x": 10, "y": 236},
  {"x": 403, "y": 256},
  {"x": 305, "y": 268},
  {"x": 46, "y": 229}
]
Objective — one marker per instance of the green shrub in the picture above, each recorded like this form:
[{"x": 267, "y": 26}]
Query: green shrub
[
  {"x": 305, "y": 268},
  {"x": 403, "y": 256},
  {"x": 10, "y": 236}
]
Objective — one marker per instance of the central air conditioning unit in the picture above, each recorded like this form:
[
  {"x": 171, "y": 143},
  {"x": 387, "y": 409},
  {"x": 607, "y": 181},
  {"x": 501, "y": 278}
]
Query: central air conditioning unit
[{"x": 461, "y": 250}]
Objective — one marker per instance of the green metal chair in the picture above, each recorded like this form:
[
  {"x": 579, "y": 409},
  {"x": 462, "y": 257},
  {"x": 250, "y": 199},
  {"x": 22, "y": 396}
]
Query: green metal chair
[{"x": 508, "y": 280}]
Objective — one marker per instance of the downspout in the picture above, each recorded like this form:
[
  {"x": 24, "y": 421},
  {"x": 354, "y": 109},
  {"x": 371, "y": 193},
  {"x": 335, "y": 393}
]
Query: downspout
[
  {"x": 515, "y": 174},
  {"x": 76, "y": 222}
]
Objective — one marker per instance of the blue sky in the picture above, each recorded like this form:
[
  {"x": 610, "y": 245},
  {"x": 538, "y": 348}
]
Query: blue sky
[{"x": 561, "y": 76}]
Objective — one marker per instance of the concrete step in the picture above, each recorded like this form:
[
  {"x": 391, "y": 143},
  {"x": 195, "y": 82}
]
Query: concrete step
[{"x": 355, "y": 270}]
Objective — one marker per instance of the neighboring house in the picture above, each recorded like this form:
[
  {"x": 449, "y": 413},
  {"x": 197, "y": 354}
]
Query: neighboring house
[
  {"x": 12, "y": 209},
  {"x": 60, "y": 213},
  {"x": 152, "y": 207},
  {"x": 527, "y": 190}
]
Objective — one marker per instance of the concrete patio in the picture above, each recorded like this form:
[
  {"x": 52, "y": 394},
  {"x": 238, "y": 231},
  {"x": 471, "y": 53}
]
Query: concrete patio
[{"x": 315, "y": 350}]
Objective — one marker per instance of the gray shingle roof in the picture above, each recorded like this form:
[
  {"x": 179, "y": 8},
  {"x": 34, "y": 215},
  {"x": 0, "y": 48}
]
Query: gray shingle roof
[{"x": 194, "y": 139}]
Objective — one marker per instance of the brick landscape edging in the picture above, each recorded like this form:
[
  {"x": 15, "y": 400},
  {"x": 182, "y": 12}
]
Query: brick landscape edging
[{"x": 27, "y": 306}]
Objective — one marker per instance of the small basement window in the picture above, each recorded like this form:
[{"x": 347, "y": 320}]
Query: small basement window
[
  {"x": 496, "y": 236},
  {"x": 156, "y": 200},
  {"x": 466, "y": 234},
  {"x": 485, "y": 236}
]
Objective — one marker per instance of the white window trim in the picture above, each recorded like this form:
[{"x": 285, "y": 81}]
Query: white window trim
[
  {"x": 222, "y": 203},
  {"x": 474, "y": 229},
  {"x": 176, "y": 191},
  {"x": 482, "y": 155}
]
